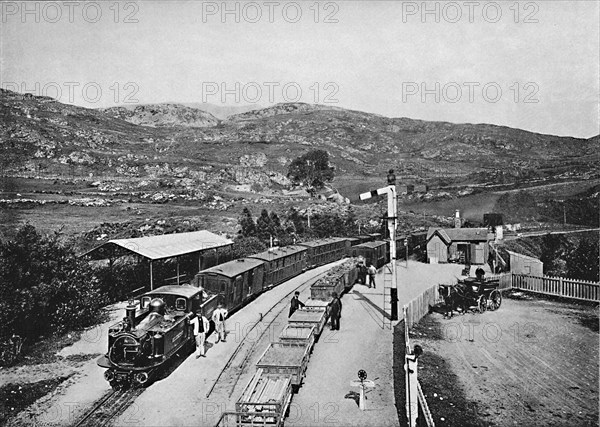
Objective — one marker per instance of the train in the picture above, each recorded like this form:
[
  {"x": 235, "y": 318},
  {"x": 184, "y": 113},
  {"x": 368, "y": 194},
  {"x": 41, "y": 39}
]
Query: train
[{"x": 159, "y": 327}]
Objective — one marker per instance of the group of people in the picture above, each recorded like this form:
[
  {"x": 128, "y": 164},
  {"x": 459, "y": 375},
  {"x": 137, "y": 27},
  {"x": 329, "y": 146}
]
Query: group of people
[
  {"x": 364, "y": 271},
  {"x": 202, "y": 326}
]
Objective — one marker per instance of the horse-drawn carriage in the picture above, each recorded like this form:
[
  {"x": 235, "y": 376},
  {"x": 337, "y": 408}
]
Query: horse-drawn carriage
[{"x": 471, "y": 293}]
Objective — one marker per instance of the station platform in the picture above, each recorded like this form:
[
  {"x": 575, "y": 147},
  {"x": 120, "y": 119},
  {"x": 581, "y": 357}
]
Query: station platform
[{"x": 365, "y": 342}]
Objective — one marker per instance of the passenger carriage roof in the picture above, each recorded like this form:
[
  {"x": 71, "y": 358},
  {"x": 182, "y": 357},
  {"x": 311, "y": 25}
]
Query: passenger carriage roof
[
  {"x": 374, "y": 244},
  {"x": 234, "y": 268},
  {"x": 321, "y": 242},
  {"x": 185, "y": 291},
  {"x": 278, "y": 253}
]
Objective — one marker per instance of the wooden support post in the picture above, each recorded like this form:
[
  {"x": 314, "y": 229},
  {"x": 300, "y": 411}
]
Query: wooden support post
[
  {"x": 177, "y": 262},
  {"x": 151, "y": 277}
]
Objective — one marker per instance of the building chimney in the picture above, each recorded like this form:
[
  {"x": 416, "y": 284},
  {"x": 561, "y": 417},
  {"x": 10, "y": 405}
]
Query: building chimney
[{"x": 457, "y": 219}]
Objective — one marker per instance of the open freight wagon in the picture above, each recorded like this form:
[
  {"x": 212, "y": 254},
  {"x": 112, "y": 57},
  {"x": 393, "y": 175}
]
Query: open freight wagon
[
  {"x": 286, "y": 358},
  {"x": 265, "y": 399}
]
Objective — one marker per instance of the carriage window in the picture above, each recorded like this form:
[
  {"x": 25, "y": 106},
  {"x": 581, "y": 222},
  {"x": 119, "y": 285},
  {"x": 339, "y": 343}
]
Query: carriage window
[
  {"x": 145, "y": 302},
  {"x": 180, "y": 304}
]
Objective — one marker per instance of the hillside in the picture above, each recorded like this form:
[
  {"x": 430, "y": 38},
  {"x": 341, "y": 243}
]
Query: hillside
[{"x": 184, "y": 144}]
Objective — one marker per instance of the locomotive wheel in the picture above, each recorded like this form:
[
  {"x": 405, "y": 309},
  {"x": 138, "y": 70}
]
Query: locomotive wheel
[
  {"x": 495, "y": 300},
  {"x": 482, "y": 303}
]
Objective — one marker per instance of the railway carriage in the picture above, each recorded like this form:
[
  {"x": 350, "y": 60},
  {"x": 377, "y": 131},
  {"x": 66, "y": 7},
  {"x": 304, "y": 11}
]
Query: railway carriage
[
  {"x": 151, "y": 333},
  {"x": 282, "y": 264},
  {"x": 373, "y": 252},
  {"x": 236, "y": 281},
  {"x": 324, "y": 251}
]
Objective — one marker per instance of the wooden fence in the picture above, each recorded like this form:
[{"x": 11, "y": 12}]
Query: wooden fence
[
  {"x": 416, "y": 309},
  {"x": 557, "y": 286}
]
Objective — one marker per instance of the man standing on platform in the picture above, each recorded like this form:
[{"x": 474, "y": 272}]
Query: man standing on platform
[
  {"x": 201, "y": 326},
  {"x": 372, "y": 272},
  {"x": 295, "y": 303},
  {"x": 335, "y": 311},
  {"x": 218, "y": 317}
]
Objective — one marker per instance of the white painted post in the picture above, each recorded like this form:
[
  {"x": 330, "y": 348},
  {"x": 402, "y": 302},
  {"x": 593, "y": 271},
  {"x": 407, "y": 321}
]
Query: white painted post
[{"x": 412, "y": 400}]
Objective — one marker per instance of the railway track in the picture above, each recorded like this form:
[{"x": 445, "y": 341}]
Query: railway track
[
  {"x": 109, "y": 407},
  {"x": 229, "y": 376}
]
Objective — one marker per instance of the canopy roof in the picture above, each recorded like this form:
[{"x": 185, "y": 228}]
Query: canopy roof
[{"x": 160, "y": 247}]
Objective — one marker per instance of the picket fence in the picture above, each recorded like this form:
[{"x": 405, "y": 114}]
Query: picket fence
[{"x": 557, "y": 286}]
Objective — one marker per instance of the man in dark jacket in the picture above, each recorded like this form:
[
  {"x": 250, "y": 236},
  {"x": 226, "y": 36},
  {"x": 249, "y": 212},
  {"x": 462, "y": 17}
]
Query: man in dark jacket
[
  {"x": 335, "y": 311},
  {"x": 295, "y": 303}
]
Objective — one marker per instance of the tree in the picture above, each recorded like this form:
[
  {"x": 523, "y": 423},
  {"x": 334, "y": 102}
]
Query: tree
[
  {"x": 247, "y": 223},
  {"x": 44, "y": 286},
  {"x": 297, "y": 220},
  {"x": 244, "y": 246},
  {"x": 276, "y": 228},
  {"x": 552, "y": 252},
  {"x": 264, "y": 226},
  {"x": 582, "y": 263},
  {"x": 311, "y": 169}
]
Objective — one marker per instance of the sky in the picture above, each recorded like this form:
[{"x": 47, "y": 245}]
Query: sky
[{"x": 532, "y": 65}]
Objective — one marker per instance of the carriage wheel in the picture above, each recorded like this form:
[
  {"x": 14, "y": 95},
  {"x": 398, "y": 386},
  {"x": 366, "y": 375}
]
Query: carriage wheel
[
  {"x": 482, "y": 303},
  {"x": 495, "y": 300}
]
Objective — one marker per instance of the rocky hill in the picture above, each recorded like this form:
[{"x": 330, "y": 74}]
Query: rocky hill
[{"x": 163, "y": 115}]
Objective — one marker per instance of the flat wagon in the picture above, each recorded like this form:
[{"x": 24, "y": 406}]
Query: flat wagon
[
  {"x": 304, "y": 317},
  {"x": 265, "y": 399},
  {"x": 286, "y": 358}
]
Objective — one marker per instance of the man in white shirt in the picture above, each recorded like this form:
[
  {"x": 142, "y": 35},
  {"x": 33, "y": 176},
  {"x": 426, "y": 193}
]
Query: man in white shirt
[
  {"x": 201, "y": 326},
  {"x": 218, "y": 317}
]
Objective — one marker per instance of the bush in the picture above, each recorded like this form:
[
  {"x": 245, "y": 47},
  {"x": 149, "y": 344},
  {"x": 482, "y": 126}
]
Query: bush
[{"x": 45, "y": 288}]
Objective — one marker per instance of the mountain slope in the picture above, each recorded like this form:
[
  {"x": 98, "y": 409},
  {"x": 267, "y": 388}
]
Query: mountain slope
[{"x": 38, "y": 132}]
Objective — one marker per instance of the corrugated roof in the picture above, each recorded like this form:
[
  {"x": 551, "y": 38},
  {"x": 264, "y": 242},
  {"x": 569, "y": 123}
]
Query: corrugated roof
[
  {"x": 234, "y": 268},
  {"x": 166, "y": 245}
]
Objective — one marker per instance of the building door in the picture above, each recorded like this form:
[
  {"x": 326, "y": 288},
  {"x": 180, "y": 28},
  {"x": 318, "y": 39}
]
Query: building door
[{"x": 464, "y": 253}]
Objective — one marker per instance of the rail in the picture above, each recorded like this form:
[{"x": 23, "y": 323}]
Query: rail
[{"x": 557, "y": 286}]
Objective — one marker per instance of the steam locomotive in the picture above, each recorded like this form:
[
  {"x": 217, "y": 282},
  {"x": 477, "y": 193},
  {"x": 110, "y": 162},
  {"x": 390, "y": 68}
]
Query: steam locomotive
[{"x": 152, "y": 332}]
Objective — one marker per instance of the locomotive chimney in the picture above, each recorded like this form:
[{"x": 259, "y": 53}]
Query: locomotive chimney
[
  {"x": 130, "y": 315},
  {"x": 457, "y": 219}
]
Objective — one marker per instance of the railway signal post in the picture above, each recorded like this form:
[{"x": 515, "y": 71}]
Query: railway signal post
[{"x": 392, "y": 218}]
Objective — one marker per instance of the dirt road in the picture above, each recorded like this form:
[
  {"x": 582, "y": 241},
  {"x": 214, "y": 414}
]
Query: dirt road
[{"x": 532, "y": 362}]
